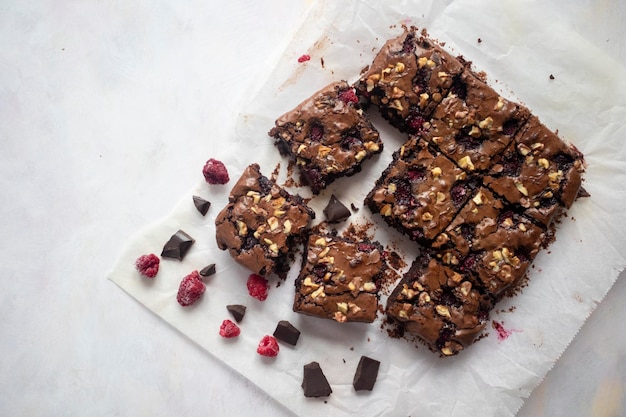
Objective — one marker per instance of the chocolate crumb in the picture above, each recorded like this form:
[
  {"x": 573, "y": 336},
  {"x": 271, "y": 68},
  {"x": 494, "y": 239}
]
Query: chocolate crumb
[
  {"x": 177, "y": 246},
  {"x": 208, "y": 270},
  {"x": 238, "y": 311},
  {"x": 322, "y": 61},
  {"x": 201, "y": 204},
  {"x": 353, "y": 207},
  {"x": 551, "y": 77},
  {"x": 480, "y": 40}
]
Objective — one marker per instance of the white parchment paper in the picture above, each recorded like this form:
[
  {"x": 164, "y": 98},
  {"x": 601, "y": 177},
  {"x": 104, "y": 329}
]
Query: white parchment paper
[{"x": 521, "y": 47}]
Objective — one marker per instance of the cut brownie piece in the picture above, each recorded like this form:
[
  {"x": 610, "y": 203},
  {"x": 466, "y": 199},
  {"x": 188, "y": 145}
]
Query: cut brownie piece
[
  {"x": 482, "y": 122},
  {"x": 261, "y": 223},
  {"x": 441, "y": 306},
  {"x": 492, "y": 240},
  {"x": 328, "y": 136},
  {"x": 409, "y": 76},
  {"x": 339, "y": 278},
  {"x": 420, "y": 192},
  {"x": 538, "y": 171}
]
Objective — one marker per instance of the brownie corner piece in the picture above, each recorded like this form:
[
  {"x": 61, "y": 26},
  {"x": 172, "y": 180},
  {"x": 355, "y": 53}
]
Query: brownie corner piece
[
  {"x": 328, "y": 136},
  {"x": 339, "y": 279},
  {"x": 261, "y": 223}
]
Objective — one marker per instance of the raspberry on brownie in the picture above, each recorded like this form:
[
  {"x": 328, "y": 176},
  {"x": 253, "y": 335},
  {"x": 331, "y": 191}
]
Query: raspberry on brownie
[
  {"x": 538, "y": 171},
  {"x": 261, "y": 223},
  {"x": 420, "y": 191},
  {"x": 328, "y": 136},
  {"x": 409, "y": 76},
  {"x": 443, "y": 307},
  {"x": 339, "y": 278}
]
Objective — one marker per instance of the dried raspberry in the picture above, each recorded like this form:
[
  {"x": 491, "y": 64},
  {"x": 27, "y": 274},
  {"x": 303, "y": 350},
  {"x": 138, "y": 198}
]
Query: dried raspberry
[
  {"x": 148, "y": 265},
  {"x": 215, "y": 172},
  {"x": 268, "y": 346},
  {"x": 190, "y": 289},
  {"x": 229, "y": 329},
  {"x": 348, "y": 96},
  {"x": 304, "y": 58},
  {"x": 257, "y": 287}
]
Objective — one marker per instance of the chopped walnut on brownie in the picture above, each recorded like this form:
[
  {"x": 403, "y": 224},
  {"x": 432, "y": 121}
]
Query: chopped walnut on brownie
[
  {"x": 339, "y": 278},
  {"x": 443, "y": 307},
  {"x": 538, "y": 171},
  {"x": 409, "y": 76},
  {"x": 328, "y": 136},
  {"x": 420, "y": 191},
  {"x": 492, "y": 240},
  {"x": 261, "y": 223}
]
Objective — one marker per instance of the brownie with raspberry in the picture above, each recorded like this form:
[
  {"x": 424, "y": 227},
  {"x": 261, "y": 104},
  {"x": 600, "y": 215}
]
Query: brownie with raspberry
[
  {"x": 491, "y": 239},
  {"x": 339, "y": 279},
  {"x": 444, "y": 308},
  {"x": 408, "y": 78},
  {"x": 327, "y": 136},
  {"x": 538, "y": 171},
  {"x": 261, "y": 223},
  {"x": 420, "y": 192}
]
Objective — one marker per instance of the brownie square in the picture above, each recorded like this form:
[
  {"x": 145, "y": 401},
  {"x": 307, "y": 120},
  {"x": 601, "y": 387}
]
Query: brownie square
[
  {"x": 328, "y": 136},
  {"x": 409, "y": 76},
  {"x": 261, "y": 223},
  {"x": 420, "y": 191},
  {"x": 339, "y": 278},
  {"x": 538, "y": 171},
  {"x": 482, "y": 122},
  {"x": 443, "y": 307},
  {"x": 492, "y": 240}
]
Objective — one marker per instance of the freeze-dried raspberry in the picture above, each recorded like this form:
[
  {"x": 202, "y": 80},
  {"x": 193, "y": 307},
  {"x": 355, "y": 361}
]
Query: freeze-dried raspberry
[
  {"x": 190, "y": 289},
  {"x": 304, "y": 58},
  {"x": 348, "y": 96},
  {"x": 215, "y": 172},
  {"x": 257, "y": 287},
  {"x": 268, "y": 346},
  {"x": 229, "y": 329},
  {"x": 148, "y": 265}
]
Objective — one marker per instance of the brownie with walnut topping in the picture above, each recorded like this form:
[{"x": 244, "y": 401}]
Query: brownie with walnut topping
[
  {"x": 261, "y": 223},
  {"x": 327, "y": 136},
  {"x": 339, "y": 278}
]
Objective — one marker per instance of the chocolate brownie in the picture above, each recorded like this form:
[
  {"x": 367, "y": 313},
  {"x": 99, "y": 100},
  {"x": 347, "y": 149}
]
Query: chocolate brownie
[
  {"x": 538, "y": 171},
  {"x": 409, "y": 76},
  {"x": 443, "y": 307},
  {"x": 420, "y": 191},
  {"x": 482, "y": 123},
  {"x": 339, "y": 278},
  {"x": 492, "y": 240},
  {"x": 328, "y": 136},
  {"x": 261, "y": 223}
]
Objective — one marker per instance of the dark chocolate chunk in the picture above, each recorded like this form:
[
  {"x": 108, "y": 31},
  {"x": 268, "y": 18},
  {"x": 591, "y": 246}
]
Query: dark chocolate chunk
[
  {"x": 285, "y": 332},
  {"x": 237, "y": 311},
  {"x": 201, "y": 204},
  {"x": 335, "y": 211},
  {"x": 314, "y": 382},
  {"x": 366, "y": 374},
  {"x": 177, "y": 246},
  {"x": 208, "y": 270}
]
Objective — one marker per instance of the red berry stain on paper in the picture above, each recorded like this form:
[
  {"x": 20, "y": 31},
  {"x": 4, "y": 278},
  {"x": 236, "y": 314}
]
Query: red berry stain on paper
[
  {"x": 304, "y": 58},
  {"x": 503, "y": 333}
]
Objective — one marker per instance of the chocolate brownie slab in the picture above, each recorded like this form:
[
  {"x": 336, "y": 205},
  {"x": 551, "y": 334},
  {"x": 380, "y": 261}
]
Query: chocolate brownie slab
[
  {"x": 409, "y": 76},
  {"x": 441, "y": 306},
  {"x": 420, "y": 191},
  {"x": 339, "y": 278},
  {"x": 328, "y": 136},
  {"x": 261, "y": 223},
  {"x": 538, "y": 171}
]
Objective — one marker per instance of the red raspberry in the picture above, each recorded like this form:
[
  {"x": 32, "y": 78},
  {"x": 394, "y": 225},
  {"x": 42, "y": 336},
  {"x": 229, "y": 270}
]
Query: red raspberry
[
  {"x": 190, "y": 289},
  {"x": 229, "y": 329},
  {"x": 348, "y": 96},
  {"x": 148, "y": 265},
  {"x": 268, "y": 346},
  {"x": 304, "y": 58},
  {"x": 215, "y": 172},
  {"x": 257, "y": 287}
]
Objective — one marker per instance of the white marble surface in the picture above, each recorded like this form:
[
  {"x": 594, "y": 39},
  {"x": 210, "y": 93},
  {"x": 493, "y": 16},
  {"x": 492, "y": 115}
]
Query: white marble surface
[{"x": 86, "y": 160}]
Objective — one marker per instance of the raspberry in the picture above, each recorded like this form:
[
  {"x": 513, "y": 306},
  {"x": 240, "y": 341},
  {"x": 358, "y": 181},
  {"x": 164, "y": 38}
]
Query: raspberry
[
  {"x": 148, "y": 265},
  {"x": 190, "y": 289},
  {"x": 229, "y": 329},
  {"x": 215, "y": 172},
  {"x": 304, "y": 58},
  {"x": 268, "y": 346},
  {"x": 257, "y": 287},
  {"x": 348, "y": 96}
]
